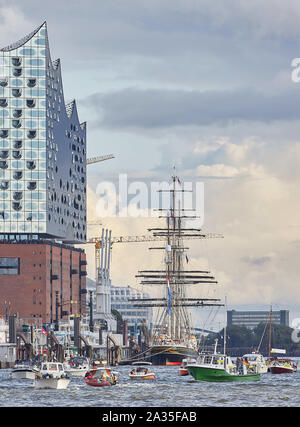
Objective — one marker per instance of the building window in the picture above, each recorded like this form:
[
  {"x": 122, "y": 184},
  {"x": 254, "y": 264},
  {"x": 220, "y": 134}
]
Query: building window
[
  {"x": 17, "y": 72},
  {"x": 16, "y": 92},
  {"x": 4, "y": 154},
  {"x": 16, "y": 154},
  {"x": 17, "y": 113},
  {"x": 31, "y": 82},
  {"x": 30, "y": 103},
  {"x": 31, "y": 134},
  {"x": 18, "y": 175},
  {"x": 3, "y": 81},
  {"x": 3, "y": 133},
  {"x": 9, "y": 266},
  {"x": 16, "y": 123},
  {"x": 17, "y": 206},
  {"x": 30, "y": 164},
  {"x": 16, "y": 62},
  {"x": 3, "y": 102},
  {"x": 17, "y": 144},
  {"x": 3, "y": 164},
  {"x": 4, "y": 185},
  {"x": 31, "y": 185}
]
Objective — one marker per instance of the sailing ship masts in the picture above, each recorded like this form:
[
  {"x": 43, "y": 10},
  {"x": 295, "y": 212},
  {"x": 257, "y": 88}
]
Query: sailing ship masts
[
  {"x": 174, "y": 272},
  {"x": 180, "y": 305},
  {"x": 181, "y": 299},
  {"x": 174, "y": 277},
  {"x": 185, "y": 282}
]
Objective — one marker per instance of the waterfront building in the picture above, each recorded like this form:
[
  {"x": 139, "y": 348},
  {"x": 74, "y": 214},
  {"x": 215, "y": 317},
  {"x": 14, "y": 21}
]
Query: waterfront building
[
  {"x": 123, "y": 299},
  {"x": 42, "y": 185},
  {"x": 42, "y": 147},
  {"x": 251, "y": 319}
]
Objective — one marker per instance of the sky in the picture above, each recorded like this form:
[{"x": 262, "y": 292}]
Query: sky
[{"x": 203, "y": 86}]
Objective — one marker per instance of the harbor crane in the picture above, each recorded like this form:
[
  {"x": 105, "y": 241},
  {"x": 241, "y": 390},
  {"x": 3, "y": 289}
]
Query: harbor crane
[
  {"x": 98, "y": 159},
  {"x": 97, "y": 241}
]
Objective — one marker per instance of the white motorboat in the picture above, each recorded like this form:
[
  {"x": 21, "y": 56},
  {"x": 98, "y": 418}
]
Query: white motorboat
[
  {"x": 23, "y": 370},
  {"x": 77, "y": 366},
  {"x": 256, "y": 360},
  {"x": 52, "y": 375}
]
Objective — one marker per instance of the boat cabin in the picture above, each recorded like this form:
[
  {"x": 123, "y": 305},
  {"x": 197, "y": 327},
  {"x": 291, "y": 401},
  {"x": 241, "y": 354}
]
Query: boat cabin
[{"x": 52, "y": 370}]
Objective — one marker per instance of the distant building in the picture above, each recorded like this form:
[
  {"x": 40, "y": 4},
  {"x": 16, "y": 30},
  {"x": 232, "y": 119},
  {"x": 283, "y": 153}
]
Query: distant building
[
  {"x": 251, "y": 319},
  {"x": 121, "y": 300}
]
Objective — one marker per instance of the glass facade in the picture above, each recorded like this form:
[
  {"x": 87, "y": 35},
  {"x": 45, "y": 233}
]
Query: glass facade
[
  {"x": 121, "y": 300},
  {"x": 42, "y": 146}
]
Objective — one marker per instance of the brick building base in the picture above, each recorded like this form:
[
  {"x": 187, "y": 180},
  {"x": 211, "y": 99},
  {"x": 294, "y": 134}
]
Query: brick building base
[{"x": 50, "y": 280}]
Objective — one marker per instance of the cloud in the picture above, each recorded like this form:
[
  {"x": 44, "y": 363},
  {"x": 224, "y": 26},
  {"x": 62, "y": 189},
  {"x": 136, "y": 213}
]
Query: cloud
[
  {"x": 256, "y": 260},
  {"x": 14, "y": 24},
  {"x": 158, "y": 108}
]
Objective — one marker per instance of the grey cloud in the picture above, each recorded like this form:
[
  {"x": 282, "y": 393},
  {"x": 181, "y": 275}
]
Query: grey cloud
[
  {"x": 158, "y": 108},
  {"x": 256, "y": 260}
]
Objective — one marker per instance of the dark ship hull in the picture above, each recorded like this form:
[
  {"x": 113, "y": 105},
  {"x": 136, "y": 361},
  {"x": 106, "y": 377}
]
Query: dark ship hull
[{"x": 170, "y": 355}]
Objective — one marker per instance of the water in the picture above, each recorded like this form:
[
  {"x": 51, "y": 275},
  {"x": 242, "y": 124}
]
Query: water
[{"x": 168, "y": 390}]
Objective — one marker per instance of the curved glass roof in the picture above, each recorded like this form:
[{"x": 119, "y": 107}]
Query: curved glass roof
[{"x": 22, "y": 41}]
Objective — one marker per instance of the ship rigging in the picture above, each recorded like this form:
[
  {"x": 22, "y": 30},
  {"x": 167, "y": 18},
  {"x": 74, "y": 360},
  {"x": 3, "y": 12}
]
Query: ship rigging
[{"x": 172, "y": 338}]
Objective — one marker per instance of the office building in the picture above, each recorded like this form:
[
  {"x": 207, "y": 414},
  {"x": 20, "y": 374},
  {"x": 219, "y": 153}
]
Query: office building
[
  {"x": 251, "y": 319},
  {"x": 123, "y": 299}
]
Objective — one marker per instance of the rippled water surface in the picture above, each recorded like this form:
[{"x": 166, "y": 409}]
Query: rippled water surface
[{"x": 168, "y": 390}]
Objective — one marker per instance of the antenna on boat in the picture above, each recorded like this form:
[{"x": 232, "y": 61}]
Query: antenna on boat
[{"x": 225, "y": 327}]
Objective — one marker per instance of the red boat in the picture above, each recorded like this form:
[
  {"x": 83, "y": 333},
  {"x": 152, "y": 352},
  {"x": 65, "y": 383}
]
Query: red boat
[
  {"x": 101, "y": 377},
  {"x": 282, "y": 366},
  {"x": 183, "y": 370}
]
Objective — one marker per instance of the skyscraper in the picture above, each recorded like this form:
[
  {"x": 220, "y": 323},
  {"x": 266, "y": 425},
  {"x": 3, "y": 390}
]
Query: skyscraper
[
  {"x": 42, "y": 147},
  {"x": 42, "y": 185}
]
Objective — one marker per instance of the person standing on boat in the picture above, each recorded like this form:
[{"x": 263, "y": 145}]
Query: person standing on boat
[{"x": 239, "y": 365}]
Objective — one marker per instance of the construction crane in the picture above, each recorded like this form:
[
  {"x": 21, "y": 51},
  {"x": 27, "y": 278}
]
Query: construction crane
[
  {"x": 98, "y": 159},
  {"x": 97, "y": 241}
]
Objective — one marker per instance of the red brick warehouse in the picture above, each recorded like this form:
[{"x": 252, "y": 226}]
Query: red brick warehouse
[{"x": 33, "y": 275}]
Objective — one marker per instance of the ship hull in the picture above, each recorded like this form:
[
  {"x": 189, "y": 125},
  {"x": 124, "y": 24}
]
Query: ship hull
[
  {"x": 201, "y": 373},
  {"x": 170, "y": 356},
  {"x": 281, "y": 370}
]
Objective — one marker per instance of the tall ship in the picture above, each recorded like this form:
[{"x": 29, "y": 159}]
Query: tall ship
[{"x": 173, "y": 337}]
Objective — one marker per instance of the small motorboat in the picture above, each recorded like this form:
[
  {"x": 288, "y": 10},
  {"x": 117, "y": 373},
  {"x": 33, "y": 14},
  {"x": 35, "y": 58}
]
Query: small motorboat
[
  {"x": 77, "y": 366},
  {"x": 282, "y": 366},
  {"x": 183, "y": 369},
  {"x": 101, "y": 377},
  {"x": 52, "y": 375},
  {"x": 23, "y": 370},
  {"x": 141, "y": 374}
]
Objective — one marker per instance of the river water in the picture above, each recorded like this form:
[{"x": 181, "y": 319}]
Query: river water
[{"x": 167, "y": 390}]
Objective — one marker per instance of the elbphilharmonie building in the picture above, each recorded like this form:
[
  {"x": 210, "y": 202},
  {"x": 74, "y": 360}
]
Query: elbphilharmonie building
[
  {"x": 42, "y": 186},
  {"x": 42, "y": 147}
]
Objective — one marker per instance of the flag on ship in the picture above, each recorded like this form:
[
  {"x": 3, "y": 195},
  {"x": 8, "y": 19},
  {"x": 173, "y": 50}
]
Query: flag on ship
[{"x": 169, "y": 295}]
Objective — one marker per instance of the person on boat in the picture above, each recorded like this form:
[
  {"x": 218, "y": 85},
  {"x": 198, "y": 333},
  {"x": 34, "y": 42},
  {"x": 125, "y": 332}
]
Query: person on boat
[
  {"x": 132, "y": 372},
  {"x": 103, "y": 378},
  {"x": 239, "y": 365},
  {"x": 146, "y": 371},
  {"x": 88, "y": 375}
]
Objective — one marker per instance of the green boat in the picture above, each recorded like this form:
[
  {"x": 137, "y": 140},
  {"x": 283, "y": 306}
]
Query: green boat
[{"x": 220, "y": 368}]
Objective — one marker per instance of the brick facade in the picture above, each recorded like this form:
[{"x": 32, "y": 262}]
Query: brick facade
[{"x": 47, "y": 271}]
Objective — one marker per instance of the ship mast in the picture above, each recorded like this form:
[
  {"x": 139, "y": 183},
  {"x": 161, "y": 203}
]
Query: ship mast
[{"x": 175, "y": 321}]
